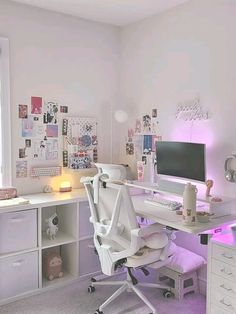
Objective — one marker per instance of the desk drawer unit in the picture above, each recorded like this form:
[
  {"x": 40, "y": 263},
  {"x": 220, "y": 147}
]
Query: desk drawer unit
[
  {"x": 223, "y": 286},
  {"x": 224, "y": 254},
  {"x": 224, "y": 302},
  {"x": 18, "y": 231},
  {"x": 224, "y": 270},
  {"x": 222, "y": 277},
  {"x": 18, "y": 274},
  {"x": 218, "y": 310}
]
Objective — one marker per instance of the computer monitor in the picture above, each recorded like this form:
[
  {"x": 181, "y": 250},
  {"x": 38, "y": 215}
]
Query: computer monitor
[{"x": 182, "y": 160}]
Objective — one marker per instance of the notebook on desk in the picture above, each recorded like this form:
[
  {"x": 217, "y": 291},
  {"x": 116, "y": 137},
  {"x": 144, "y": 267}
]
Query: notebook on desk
[{"x": 14, "y": 202}]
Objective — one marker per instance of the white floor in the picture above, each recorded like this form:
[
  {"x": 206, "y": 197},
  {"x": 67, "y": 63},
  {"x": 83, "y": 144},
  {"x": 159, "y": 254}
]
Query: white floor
[{"x": 74, "y": 299}]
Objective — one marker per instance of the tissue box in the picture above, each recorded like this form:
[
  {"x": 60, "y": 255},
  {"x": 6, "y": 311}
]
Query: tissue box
[{"x": 7, "y": 193}]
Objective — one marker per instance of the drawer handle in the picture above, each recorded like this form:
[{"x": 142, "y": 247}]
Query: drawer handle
[
  {"x": 223, "y": 286},
  {"x": 226, "y": 272},
  {"x": 17, "y": 263},
  {"x": 227, "y": 256},
  {"x": 226, "y": 304},
  {"x": 16, "y": 219}
]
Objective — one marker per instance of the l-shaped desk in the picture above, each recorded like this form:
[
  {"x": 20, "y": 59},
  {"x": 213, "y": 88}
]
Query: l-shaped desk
[{"x": 74, "y": 237}]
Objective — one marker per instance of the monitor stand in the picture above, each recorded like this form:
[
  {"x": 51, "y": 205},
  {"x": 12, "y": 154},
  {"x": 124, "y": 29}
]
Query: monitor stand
[{"x": 170, "y": 186}]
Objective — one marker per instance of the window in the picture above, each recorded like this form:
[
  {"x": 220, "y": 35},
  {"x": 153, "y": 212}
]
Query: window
[{"x": 5, "y": 132}]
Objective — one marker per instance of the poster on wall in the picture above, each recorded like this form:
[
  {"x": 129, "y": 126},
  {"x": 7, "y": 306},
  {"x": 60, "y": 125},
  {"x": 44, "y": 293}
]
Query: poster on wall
[
  {"x": 23, "y": 111},
  {"x": 36, "y": 105},
  {"x": 50, "y": 114},
  {"x": 21, "y": 169},
  {"x": 28, "y": 127}
]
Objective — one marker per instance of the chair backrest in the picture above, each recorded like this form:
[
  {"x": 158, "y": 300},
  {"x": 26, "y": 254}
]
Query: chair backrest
[
  {"x": 113, "y": 216},
  {"x": 115, "y": 172}
]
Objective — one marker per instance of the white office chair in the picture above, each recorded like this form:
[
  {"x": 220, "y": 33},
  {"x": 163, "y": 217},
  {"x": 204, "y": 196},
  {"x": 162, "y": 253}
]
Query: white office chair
[{"x": 119, "y": 241}]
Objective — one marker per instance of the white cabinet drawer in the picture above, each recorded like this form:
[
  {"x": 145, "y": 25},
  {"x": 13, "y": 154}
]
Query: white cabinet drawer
[
  {"x": 224, "y": 254},
  {"x": 18, "y": 231},
  {"x": 223, "y": 285},
  {"x": 224, "y": 302},
  {"x": 85, "y": 226},
  {"x": 224, "y": 270},
  {"x": 217, "y": 310},
  {"x": 18, "y": 274}
]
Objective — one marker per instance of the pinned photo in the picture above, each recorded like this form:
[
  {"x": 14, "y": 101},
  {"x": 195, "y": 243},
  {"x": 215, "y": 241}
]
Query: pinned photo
[
  {"x": 36, "y": 105},
  {"x": 23, "y": 111},
  {"x": 64, "y": 109},
  {"x": 27, "y": 143},
  {"x": 154, "y": 113},
  {"x": 129, "y": 148},
  {"x": 21, "y": 169},
  {"x": 52, "y": 131},
  {"x": 144, "y": 160},
  {"x": 22, "y": 153},
  {"x": 50, "y": 113}
]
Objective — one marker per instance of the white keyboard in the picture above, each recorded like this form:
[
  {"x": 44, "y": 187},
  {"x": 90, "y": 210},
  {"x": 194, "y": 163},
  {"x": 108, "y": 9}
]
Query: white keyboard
[{"x": 171, "y": 205}]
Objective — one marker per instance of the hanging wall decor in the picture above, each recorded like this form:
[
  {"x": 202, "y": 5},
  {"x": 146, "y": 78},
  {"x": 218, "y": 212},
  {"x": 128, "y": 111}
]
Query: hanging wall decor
[{"x": 80, "y": 142}]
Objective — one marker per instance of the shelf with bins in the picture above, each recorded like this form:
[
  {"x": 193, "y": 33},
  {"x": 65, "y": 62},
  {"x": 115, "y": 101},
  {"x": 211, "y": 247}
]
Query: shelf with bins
[{"x": 67, "y": 225}]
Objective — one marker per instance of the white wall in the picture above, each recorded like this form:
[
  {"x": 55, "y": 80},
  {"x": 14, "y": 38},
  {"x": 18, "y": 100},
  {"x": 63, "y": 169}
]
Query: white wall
[
  {"x": 175, "y": 56},
  {"x": 58, "y": 57}
]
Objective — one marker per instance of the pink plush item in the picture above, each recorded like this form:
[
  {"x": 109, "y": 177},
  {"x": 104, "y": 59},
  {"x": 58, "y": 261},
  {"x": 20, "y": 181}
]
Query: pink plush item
[{"x": 184, "y": 261}]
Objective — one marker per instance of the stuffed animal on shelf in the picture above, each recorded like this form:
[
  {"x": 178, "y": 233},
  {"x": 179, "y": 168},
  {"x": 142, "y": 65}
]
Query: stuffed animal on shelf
[
  {"x": 52, "y": 266},
  {"x": 52, "y": 226}
]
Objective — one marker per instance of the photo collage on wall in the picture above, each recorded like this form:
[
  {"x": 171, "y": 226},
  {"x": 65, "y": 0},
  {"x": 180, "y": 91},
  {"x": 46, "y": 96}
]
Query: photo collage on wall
[
  {"x": 39, "y": 129},
  {"x": 142, "y": 138},
  {"x": 80, "y": 142}
]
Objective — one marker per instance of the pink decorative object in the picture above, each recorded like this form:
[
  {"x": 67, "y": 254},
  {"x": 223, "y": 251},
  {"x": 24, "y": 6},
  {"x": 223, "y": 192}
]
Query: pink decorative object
[
  {"x": 209, "y": 185},
  {"x": 138, "y": 126},
  {"x": 52, "y": 266},
  {"x": 7, "y": 193}
]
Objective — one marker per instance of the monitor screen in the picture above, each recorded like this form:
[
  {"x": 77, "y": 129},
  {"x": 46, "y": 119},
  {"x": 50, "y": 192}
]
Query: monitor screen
[{"x": 183, "y": 160}]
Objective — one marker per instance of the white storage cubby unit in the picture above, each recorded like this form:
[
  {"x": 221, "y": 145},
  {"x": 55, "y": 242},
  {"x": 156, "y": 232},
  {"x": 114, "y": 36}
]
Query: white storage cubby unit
[{"x": 24, "y": 242}]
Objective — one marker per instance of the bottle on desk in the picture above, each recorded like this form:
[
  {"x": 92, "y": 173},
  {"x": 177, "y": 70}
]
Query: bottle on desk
[{"x": 189, "y": 204}]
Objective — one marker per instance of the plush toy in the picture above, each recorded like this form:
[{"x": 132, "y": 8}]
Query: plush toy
[
  {"x": 52, "y": 224},
  {"x": 52, "y": 266}
]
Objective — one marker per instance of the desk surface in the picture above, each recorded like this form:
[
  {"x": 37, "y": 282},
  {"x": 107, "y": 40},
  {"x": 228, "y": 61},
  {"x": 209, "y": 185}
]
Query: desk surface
[{"x": 170, "y": 218}]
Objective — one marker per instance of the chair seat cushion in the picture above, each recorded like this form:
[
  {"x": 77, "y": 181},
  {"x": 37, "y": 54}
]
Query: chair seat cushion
[{"x": 146, "y": 256}]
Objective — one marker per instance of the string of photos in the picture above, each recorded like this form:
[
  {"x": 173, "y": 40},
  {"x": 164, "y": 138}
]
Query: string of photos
[{"x": 80, "y": 142}]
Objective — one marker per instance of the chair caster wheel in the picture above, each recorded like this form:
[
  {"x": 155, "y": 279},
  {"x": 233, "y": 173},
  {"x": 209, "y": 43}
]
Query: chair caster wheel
[
  {"x": 91, "y": 289},
  {"x": 167, "y": 294},
  {"x": 93, "y": 279},
  {"x": 98, "y": 312}
]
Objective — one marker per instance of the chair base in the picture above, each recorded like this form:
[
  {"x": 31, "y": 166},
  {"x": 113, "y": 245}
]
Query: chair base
[{"x": 127, "y": 285}]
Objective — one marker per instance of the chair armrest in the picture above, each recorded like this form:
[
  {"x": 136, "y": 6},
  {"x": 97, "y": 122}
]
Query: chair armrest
[
  {"x": 148, "y": 230},
  {"x": 135, "y": 244}
]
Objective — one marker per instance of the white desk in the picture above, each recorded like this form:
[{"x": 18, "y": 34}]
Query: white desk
[{"x": 170, "y": 218}]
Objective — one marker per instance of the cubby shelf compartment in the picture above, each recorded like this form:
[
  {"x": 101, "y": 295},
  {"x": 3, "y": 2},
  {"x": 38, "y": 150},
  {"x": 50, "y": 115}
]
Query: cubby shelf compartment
[
  {"x": 69, "y": 254},
  {"x": 58, "y": 281},
  {"x": 67, "y": 225}
]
